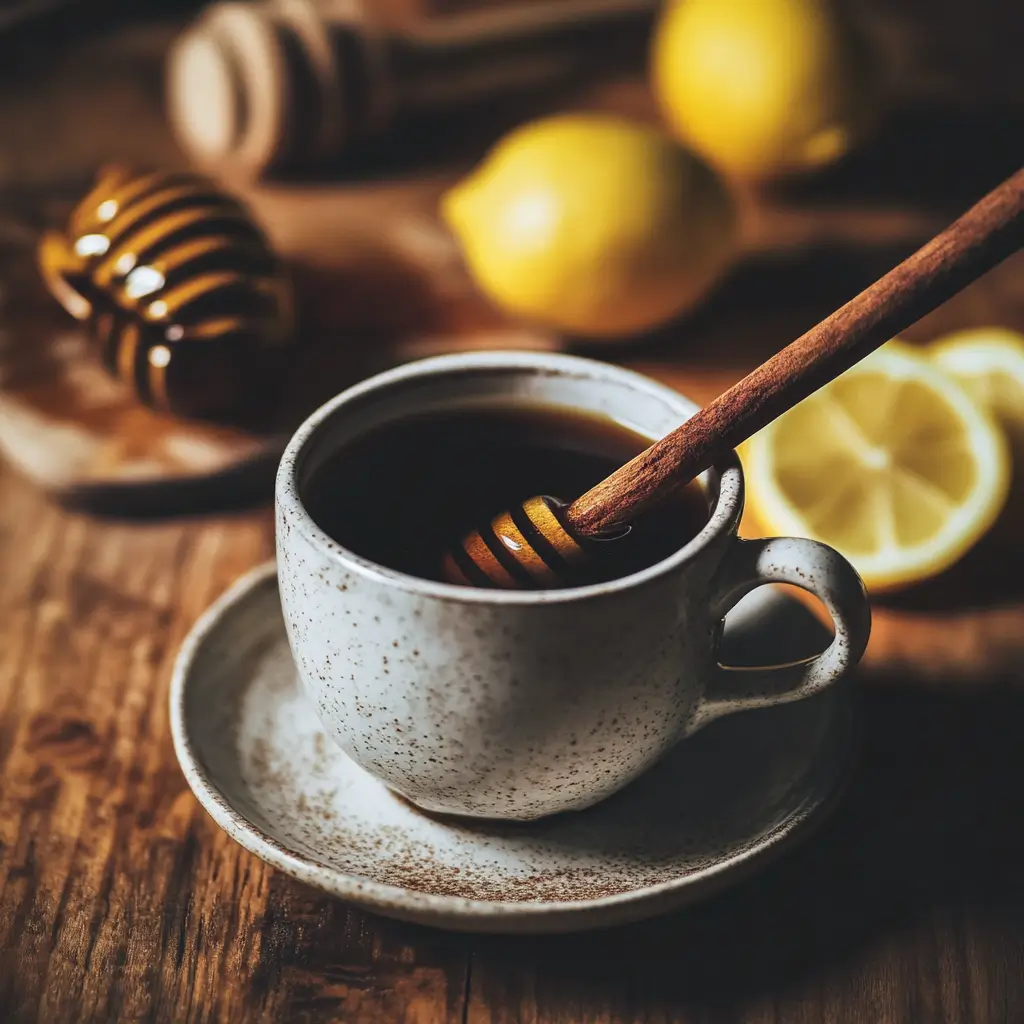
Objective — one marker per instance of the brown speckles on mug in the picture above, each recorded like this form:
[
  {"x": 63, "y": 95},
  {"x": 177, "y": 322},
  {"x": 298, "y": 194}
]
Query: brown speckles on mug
[{"x": 511, "y": 695}]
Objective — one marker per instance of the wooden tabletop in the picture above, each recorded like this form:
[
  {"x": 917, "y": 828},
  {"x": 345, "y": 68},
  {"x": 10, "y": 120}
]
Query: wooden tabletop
[{"x": 121, "y": 900}]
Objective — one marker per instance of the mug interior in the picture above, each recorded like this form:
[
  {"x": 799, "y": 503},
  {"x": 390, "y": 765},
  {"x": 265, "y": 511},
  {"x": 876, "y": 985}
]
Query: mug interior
[{"x": 494, "y": 379}]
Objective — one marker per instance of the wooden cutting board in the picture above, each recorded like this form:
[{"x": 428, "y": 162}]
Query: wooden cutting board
[{"x": 380, "y": 281}]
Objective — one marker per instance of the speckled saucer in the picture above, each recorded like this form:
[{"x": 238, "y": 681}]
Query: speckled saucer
[{"x": 725, "y": 801}]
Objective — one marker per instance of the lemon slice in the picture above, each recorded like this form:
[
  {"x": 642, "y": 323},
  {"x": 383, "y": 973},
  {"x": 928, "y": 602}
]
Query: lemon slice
[
  {"x": 988, "y": 363},
  {"x": 892, "y": 463}
]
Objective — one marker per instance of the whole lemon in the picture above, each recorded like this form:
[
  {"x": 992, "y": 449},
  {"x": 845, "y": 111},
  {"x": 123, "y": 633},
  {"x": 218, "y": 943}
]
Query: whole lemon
[
  {"x": 762, "y": 87},
  {"x": 592, "y": 224}
]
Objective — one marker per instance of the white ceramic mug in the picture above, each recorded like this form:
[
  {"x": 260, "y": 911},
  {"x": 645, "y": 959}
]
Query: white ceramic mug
[{"x": 511, "y": 704}]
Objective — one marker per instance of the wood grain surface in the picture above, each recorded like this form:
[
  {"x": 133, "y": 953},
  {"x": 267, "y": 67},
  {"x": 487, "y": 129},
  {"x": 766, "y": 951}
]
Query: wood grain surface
[{"x": 120, "y": 900}]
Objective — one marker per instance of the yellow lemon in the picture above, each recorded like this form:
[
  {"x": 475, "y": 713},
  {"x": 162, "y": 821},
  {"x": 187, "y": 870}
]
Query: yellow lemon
[
  {"x": 988, "y": 363},
  {"x": 762, "y": 87},
  {"x": 892, "y": 463},
  {"x": 592, "y": 224}
]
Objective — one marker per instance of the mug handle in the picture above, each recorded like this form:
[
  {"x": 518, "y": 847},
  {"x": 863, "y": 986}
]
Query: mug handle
[{"x": 813, "y": 567}]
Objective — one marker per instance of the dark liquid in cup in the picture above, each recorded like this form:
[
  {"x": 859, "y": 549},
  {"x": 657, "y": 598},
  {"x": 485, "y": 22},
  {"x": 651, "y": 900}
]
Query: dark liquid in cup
[{"x": 403, "y": 494}]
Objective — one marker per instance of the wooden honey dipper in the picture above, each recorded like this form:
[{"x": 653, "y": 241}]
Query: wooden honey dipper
[
  {"x": 542, "y": 543},
  {"x": 283, "y": 86}
]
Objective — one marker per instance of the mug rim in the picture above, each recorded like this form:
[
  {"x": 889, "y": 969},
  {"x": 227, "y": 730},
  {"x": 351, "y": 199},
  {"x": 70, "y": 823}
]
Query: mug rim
[{"x": 723, "y": 517}]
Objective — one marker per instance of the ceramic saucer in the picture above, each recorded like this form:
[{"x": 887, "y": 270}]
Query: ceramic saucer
[{"x": 726, "y": 800}]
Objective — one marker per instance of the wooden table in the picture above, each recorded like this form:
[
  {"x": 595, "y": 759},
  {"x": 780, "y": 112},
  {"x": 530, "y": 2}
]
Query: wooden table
[{"x": 120, "y": 900}]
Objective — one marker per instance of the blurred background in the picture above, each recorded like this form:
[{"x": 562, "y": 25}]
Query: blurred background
[{"x": 214, "y": 217}]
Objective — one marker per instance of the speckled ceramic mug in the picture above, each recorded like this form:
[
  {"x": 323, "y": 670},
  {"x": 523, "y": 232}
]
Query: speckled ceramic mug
[{"x": 516, "y": 705}]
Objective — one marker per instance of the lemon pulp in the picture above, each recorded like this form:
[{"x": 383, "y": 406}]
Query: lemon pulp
[
  {"x": 892, "y": 463},
  {"x": 988, "y": 362}
]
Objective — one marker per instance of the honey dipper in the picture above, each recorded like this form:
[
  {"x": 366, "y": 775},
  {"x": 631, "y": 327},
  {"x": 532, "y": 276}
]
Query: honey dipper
[
  {"x": 542, "y": 543},
  {"x": 283, "y": 86}
]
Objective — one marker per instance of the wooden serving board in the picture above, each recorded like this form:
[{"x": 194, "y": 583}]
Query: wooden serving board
[{"x": 380, "y": 281}]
